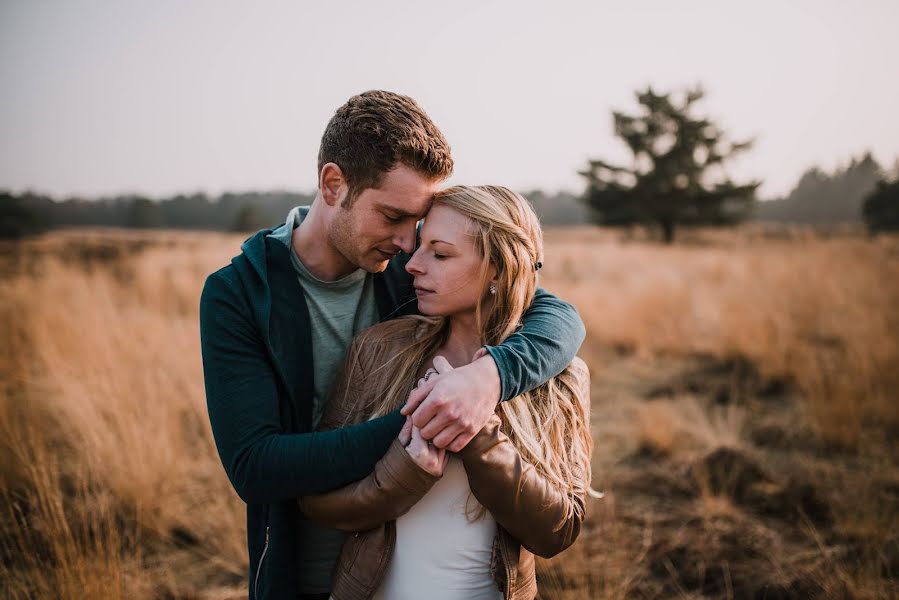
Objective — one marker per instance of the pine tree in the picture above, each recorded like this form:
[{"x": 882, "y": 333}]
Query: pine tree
[
  {"x": 881, "y": 207},
  {"x": 671, "y": 180}
]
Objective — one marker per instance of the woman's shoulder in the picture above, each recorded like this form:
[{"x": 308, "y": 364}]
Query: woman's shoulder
[
  {"x": 578, "y": 374},
  {"x": 579, "y": 369}
]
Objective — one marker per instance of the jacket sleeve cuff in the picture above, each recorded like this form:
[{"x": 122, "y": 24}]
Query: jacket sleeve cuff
[
  {"x": 483, "y": 441},
  {"x": 399, "y": 465},
  {"x": 506, "y": 390}
]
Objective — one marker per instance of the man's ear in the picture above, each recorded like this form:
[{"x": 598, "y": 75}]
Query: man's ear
[{"x": 331, "y": 184}]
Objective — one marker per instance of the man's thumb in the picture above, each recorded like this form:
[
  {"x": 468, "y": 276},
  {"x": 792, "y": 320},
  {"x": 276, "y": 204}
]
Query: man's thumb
[
  {"x": 481, "y": 353},
  {"x": 442, "y": 365}
]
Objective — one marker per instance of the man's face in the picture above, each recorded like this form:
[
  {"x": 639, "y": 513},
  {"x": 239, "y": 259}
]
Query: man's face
[{"x": 382, "y": 222}]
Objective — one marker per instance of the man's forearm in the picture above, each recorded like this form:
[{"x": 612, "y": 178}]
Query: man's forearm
[
  {"x": 263, "y": 463},
  {"x": 283, "y": 466},
  {"x": 550, "y": 336}
]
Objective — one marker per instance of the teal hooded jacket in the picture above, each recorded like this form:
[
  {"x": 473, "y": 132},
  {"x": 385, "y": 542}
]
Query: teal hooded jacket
[{"x": 257, "y": 366}]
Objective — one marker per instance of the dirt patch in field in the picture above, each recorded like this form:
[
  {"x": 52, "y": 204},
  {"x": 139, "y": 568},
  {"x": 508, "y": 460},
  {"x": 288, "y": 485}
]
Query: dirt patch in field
[{"x": 715, "y": 488}]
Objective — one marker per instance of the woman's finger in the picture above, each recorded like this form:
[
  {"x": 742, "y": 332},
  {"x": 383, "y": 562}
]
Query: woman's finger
[
  {"x": 405, "y": 435},
  {"x": 417, "y": 440}
]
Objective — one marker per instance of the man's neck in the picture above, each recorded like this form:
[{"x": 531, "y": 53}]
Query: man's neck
[{"x": 313, "y": 247}]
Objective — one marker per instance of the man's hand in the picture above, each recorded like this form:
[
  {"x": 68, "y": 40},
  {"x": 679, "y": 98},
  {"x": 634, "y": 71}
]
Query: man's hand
[{"x": 453, "y": 406}]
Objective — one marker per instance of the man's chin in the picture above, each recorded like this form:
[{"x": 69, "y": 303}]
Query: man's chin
[{"x": 376, "y": 266}]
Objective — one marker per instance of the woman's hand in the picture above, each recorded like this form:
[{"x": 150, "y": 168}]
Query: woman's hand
[
  {"x": 405, "y": 435},
  {"x": 430, "y": 458}
]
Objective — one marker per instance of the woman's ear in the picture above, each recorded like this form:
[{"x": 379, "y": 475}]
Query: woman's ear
[
  {"x": 331, "y": 184},
  {"x": 492, "y": 282},
  {"x": 492, "y": 274}
]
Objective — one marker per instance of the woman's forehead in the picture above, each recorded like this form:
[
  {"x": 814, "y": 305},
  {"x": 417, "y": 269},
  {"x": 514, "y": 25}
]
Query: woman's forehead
[{"x": 445, "y": 223}]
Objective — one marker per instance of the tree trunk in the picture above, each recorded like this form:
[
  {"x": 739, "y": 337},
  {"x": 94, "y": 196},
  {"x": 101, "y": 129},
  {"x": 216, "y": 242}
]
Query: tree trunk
[{"x": 667, "y": 230}]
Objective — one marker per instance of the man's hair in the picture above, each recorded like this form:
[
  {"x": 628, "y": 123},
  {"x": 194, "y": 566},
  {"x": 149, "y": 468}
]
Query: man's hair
[{"x": 376, "y": 130}]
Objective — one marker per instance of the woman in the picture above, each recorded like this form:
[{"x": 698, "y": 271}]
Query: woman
[{"x": 427, "y": 524}]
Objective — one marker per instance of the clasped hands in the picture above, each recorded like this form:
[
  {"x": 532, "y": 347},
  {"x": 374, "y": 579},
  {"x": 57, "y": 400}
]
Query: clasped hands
[{"x": 449, "y": 408}]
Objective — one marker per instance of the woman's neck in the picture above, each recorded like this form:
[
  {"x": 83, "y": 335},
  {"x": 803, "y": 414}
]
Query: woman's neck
[{"x": 463, "y": 341}]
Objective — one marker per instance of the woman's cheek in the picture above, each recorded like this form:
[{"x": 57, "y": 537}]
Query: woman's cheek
[{"x": 461, "y": 284}]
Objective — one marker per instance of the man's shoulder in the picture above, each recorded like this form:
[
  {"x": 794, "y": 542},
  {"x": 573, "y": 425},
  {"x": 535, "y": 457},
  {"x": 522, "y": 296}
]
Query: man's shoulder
[
  {"x": 229, "y": 285},
  {"x": 223, "y": 281},
  {"x": 247, "y": 269}
]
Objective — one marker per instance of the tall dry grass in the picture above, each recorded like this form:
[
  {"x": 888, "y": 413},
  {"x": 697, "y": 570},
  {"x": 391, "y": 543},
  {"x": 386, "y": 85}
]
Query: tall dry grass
[
  {"x": 818, "y": 312},
  {"x": 111, "y": 486}
]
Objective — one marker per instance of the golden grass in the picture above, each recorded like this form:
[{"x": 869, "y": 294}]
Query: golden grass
[
  {"x": 683, "y": 426},
  {"x": 112, "y": 487},
  {"x": 111, "y": 462},
  {"x": 820, "y": 312}
]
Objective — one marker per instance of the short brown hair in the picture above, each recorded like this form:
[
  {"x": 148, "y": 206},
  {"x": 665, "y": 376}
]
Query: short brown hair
[{"x": 374, "y": 131}]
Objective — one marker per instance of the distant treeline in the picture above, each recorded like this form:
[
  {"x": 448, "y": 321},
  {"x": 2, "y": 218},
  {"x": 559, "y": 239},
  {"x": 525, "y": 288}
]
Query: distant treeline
[
  {"x": 819, "y": 198},
  {"x": 227, "y": 212},
  {"x": 822, "y": 198},
  {"x": 30, "y": 212}
]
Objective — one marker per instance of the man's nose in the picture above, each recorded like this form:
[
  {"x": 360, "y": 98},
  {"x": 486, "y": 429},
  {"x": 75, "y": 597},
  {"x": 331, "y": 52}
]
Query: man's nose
[{"x": 405, "y": 239}]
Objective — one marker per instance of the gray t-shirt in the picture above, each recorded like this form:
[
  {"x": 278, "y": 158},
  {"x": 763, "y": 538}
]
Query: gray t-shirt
[{"x": 338, "y": 310}]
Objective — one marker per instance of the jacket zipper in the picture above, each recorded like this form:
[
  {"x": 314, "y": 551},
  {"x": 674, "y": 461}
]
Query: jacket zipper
[
  {"x": 259, "y": 566},
  {"x": 385, "y": 559},
  {"x": 507, "y": 567}
]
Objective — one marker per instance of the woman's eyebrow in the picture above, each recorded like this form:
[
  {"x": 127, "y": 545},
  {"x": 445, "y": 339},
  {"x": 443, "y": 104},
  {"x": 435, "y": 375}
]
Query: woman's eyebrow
[{"x": 441, "y": 242}]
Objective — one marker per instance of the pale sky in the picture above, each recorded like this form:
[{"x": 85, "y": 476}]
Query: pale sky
[{"x": 105, "y": 97}]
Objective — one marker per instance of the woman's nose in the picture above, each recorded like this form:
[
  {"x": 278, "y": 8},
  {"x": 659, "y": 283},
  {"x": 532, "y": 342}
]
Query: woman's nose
[{"x": 414, "y": 266}]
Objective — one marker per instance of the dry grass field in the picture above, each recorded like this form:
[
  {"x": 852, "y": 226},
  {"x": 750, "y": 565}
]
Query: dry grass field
[{"x": 745, "y": 417}]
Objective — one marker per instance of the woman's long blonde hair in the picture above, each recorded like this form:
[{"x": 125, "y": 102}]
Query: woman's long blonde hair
[{"x": 548, "y": 425}]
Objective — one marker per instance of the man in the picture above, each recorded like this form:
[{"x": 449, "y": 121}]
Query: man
[{"x": 276, "y": 322}]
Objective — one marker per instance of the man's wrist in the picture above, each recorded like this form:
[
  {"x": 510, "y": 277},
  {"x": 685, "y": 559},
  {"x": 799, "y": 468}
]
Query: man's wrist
[{"x": 490, "y": 371}]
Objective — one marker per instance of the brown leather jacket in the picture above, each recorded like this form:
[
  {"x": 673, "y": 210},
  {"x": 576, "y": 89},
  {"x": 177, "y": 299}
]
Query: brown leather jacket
[{"x": 530, "y": 512}]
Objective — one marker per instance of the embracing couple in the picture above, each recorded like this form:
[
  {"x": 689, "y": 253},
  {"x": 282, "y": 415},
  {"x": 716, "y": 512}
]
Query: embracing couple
[{"x": 394, "y": 398}]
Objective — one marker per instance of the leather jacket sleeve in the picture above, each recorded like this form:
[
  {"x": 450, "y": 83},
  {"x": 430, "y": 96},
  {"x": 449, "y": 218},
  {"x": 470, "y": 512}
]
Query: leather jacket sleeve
[
  {"x": 524, "y": 502},
  {"x": 396, "y": 483},
  {"x": 394, "y": 487}
]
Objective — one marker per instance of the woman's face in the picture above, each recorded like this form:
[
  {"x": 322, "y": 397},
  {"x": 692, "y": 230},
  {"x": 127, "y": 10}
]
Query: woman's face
[{"x": 446, "y": 266}]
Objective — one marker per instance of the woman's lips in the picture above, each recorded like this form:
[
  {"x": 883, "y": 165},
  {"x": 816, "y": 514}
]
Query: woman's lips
[{"x": 420, "y": 291}]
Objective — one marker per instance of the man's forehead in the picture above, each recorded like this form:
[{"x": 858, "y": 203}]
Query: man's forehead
[{"x": 404, "y": 207}]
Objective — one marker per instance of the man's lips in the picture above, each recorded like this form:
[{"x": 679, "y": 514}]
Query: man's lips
[{"x": 387, "y": 255}]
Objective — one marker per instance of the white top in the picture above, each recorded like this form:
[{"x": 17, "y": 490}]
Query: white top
[{"x": 440, "y": 554}]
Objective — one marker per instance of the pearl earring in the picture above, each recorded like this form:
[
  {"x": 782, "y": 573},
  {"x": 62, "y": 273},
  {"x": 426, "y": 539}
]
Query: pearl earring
[{"x": 493, "y": 289}]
